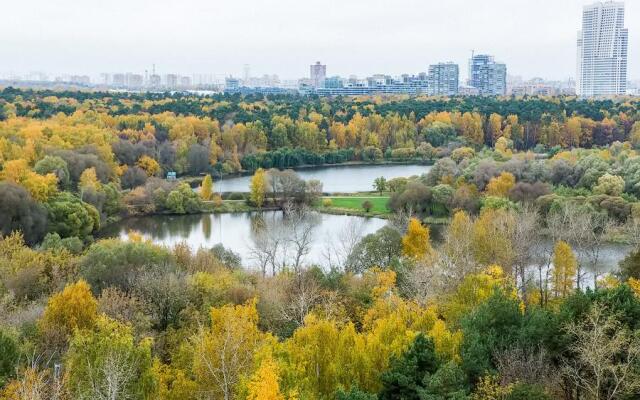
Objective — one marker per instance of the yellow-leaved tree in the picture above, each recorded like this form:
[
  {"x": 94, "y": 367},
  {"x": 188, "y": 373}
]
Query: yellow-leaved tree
[
  {"x": 149, "y": 165},
  {"x": 89, "y": 179},
  {"x": 500, "y": 185},
  {"x": 73, "y": 308},
  {"x": 264, "y": 384},
  {"x": 565, "y": 267},
  {"x": 206, "y": 188},
  {"x": 258, "y": 187},
  {"x": 223, "y": 353},
  {"x": 415, "y": 243}
]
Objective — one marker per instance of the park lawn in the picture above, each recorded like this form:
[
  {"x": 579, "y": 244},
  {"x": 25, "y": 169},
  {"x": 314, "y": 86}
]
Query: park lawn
[{"x": 355, "y": 203}]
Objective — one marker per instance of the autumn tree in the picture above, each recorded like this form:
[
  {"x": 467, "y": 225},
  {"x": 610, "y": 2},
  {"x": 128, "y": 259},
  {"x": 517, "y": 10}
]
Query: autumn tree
[
  {"x": 206, "y": 188},
  {"x": 612, "y": 185},
  {"x": 258, "y": 187},
  {"x": 564, "y": 269},
  {"x": 223, "y": 353},
  {"x": 73, "y": 308},
  {"x": 149, "y": 165},
  {"x": 500, "y": 185},
  {"x": 105, "y": 362},
  {"x": 415, "y": 243},
  {"x": 264, "y": 384}
]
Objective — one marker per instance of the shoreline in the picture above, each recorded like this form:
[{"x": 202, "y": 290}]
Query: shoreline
[{"x": 221, "y": 177}]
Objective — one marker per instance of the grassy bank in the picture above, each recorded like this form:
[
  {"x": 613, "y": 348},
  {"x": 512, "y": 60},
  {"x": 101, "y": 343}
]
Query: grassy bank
[{"x": 353, "y": 205}]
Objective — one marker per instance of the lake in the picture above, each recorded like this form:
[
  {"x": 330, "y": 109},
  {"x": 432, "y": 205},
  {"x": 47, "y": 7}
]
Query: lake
[
  {"x": 242, "y": 232},
  {"x": 336, "y": 179},
  {"x": 331, "y": 236}
]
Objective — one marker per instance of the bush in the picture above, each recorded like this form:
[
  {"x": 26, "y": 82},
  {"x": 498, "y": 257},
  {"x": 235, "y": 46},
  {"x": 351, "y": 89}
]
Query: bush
[
  {"x": 367, "y": 205},
  {"x": 115, "y": 263},
  {"x": 236, "y": 196},
  {"x": 327, "y": 202}
]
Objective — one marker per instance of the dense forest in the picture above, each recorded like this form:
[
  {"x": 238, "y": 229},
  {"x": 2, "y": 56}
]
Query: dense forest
[{"x": 511, "y": 301}]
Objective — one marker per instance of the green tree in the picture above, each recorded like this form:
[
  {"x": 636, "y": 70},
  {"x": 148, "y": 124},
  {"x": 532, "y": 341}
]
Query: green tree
[
  {"x": 9, "y": 356},
  {"x": 183, "y": 200},
  {"x": 404, "y": 379},
  {"x": 69, "y": 216},
  {"x": 448, "y": 383},
  {"x": 380, "y": 184},
  {"x": 57, "y": 166}
]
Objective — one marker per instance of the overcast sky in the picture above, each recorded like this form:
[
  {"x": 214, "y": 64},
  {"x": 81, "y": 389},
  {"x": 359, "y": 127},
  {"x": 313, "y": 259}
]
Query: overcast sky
[{"x": 362, "y": 37}]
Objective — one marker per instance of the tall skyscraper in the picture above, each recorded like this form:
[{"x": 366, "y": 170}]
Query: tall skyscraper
[
  {"x": 318, "y": 73},
  {"x": 488, "y": 76},
  {"x": 443, "y": 79},
  {"x": 602, "y": 50}
]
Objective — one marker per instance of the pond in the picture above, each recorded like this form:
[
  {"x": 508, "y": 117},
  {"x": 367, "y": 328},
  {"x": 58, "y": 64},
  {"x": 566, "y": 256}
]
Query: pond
[
  {"x": 244, "y": 233},
  {"x": 330, "y": 236},
  {"x": 336, "y": 179}
]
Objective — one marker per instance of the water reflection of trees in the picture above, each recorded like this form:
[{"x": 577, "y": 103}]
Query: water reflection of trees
[
  {"x": 284, "y": 239},
  {"x": 163, "y": 227}
]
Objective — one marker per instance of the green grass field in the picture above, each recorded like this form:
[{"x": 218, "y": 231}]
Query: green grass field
[{"x": 355, "y": 203}]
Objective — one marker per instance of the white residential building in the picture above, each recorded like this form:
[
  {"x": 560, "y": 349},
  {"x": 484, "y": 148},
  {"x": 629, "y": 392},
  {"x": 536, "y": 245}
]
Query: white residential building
[{"x": 602, "y": 50}]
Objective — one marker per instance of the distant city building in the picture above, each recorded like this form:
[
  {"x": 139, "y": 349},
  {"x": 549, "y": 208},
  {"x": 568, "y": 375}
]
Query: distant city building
[
  {"x": 443, "y": 79},
  {"x": 488, "y": 76},
  {"x": 466, "y": 90},
  {"x": 185, "y": 81},
  {"x": 171, "y": 81},
  {"x": 231, "y": 84},
  {"x": 376, "y": 84},
  {"x": 134, "y": 80},
  {"x": 318, "y": 73},
  {"x": 119, "y": 80},
  {"x": 541, "y": 87},
  {"x": 105, "y": 79},
  {"x": 80, "y": 79},
  {"x": 155, "y": 80},
  {"x": 602, "y": 50},
  {"x": 333, "y": 82}
]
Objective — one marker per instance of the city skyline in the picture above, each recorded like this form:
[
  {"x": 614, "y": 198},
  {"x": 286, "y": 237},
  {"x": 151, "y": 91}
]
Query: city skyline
[{"x": 535, "y": 39}]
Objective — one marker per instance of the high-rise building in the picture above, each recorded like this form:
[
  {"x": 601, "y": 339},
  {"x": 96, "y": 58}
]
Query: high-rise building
[
  {"x": 134, "y": 80},
  {"x": 185, "y": 81},
  {"x": 155, "y": 80},
  {"x": 443, "y": 79},
  {"x": 318, "y": 73},
  {"x": 119, "y": 80},
  {"x": 488, "y": 76},
  {"x": 171, "y": 80},
  {"x": 602, "y": 50}
]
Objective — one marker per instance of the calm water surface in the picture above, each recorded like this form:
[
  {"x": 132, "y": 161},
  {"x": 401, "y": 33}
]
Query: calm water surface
[
  {"x": 240, "y": 232},
  {"x": 343, "y": 178}
]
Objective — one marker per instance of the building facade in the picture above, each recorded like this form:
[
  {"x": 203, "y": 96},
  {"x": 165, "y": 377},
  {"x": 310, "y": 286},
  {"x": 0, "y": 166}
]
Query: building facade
[
  {"x": 488, "y": 76},
  {"x": 443, "y": 79},
  {"x": 602, "y": 50},
  {"x": 318, "y": 73}
]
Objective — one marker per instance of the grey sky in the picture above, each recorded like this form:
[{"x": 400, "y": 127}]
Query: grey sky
[{"x": 534, "y": 37}]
